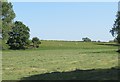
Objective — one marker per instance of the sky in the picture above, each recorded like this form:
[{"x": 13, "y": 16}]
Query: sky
[
  {"x": 63, "y": 0},
  {"x": 67, "y": 20}
]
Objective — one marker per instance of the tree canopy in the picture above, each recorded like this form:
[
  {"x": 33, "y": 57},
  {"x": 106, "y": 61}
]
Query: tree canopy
[
  {"x": 116, "y": 28},
  {"x": 18, "y": 36},
  {"x": 6, "y": 17},
  {"x": 86, "y": 39}
]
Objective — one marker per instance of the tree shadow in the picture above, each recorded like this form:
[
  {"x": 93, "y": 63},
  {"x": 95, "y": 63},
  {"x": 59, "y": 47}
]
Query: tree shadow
[
  {"x": 92, "y": 74},
  {"x": 106, "y": 44}
]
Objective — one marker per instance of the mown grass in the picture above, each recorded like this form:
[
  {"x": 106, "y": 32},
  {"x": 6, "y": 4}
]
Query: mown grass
[{"x": 59, "y": 56}]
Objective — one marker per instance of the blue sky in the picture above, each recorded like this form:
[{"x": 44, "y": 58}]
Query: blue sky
[
  {"x": 63, "y": 0},
  {"x": 67, "y": 20}
]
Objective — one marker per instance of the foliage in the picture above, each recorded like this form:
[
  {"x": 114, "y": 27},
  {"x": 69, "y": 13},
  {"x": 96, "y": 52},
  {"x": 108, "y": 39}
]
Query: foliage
[
  {"x": 6, "y": 17},
  {"x": 116, "y": 29},
  {"x": 36, "y": 42},
  {"x": 86, "y": 39},
  {"x": 115, "y": 40},
  {"x": 19, "y": 36},
  {"x": 0, "y": 18}
]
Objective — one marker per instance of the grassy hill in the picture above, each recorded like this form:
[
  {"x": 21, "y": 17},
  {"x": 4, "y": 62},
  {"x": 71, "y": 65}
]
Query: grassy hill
[{"x": 59, "y": 60}]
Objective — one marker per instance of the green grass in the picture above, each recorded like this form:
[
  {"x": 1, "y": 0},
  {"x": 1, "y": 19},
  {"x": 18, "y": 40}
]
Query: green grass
[{"x": 62, "y": 57}]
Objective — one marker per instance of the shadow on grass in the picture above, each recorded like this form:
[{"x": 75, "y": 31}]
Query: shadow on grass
[
  {"x": 109, "y": 44},
  {"x": 92, "y": 74},
  {"x": 106, "y": 44}
]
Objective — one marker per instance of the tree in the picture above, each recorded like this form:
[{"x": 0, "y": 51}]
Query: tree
[
  {"x": 115, "y": 40},
  {"x": 0, "y": 18},
  {"x": 116, "y": 29},
  {"x": 86, "y": 39},
  {"x": 18, "y": 36},
  {"x": 36, "y": 42},
  {"x": 6, "y": 17}
]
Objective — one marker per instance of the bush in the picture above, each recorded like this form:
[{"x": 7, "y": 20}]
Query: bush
[
  {"x": 36, "y": 42},
  {"x": 86, "y": 39}
]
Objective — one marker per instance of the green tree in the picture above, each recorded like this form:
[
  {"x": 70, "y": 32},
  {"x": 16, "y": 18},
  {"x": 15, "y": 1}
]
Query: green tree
[
  {"x": 18, "y": 36},
  {"x": 7, "y": 17},
  {"x": 0, "y": 18},
  {"x": 36, "y": 42},
  {"x": 116, "y": 29},
  {"x": 86, "y": 39}
]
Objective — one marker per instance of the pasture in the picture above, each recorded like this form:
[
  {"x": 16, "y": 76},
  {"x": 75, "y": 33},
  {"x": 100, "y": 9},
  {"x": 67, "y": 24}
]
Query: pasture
[{"x": 62, "y": 60}]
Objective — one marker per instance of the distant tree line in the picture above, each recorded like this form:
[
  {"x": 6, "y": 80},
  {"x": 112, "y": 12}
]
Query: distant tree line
[{"x": 15, "y": 35}]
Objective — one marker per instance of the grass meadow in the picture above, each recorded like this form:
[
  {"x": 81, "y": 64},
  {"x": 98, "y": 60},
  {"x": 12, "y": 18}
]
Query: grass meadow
[{"x": 62, "y": 60}]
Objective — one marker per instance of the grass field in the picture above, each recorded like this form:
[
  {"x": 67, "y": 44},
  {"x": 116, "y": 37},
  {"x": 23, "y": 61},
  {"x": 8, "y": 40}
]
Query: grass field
[{"x": 60, "y": 60}]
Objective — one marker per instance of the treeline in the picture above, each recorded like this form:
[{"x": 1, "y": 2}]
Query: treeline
[{"x": 15, "y": 35}]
